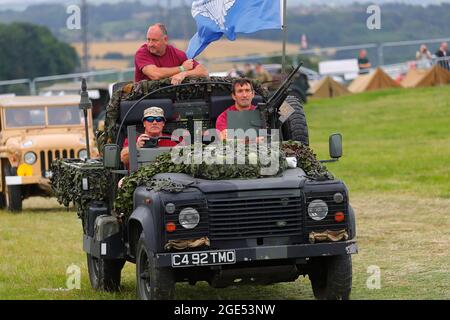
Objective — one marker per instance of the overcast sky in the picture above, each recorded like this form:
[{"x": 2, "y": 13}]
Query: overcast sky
[{"x": 22, "y": 4}]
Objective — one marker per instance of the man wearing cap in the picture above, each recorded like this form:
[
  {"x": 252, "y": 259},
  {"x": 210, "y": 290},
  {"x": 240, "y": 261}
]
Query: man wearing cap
[
  {"x": 156, "y": 59},
  {"x": 153, "y": 121}
]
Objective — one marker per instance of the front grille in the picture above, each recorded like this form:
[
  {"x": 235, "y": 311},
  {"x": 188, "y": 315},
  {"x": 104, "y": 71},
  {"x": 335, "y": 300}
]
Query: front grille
[
  {"x": 46, "y": 157},
  {"x": 243, "y": 217},
  {"x": 328, "y": 223}
]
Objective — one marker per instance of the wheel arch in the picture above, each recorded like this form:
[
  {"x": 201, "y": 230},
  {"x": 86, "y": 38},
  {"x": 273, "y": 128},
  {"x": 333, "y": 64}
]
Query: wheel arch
[
  {"x": 142, "y": 221},
  {"x": 352, "y": 222}
]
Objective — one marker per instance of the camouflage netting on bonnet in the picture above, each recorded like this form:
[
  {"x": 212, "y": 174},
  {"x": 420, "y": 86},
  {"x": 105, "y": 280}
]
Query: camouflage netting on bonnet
[
  {"x": 306, "y": 160},
  {"x": 134, "y": 91}
]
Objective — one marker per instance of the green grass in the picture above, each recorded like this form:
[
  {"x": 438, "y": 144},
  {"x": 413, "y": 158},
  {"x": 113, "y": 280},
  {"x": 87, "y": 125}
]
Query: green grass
[
  {"x": 395, "y": 164},
  {"x": 394, "y": 141}
]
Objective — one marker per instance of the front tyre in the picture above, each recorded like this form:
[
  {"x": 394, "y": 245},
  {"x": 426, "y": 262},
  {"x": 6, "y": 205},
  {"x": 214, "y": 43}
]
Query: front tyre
[
  {"x": 331, "y": 277},
  {"x": 104, "y": 274},
  {"x": 152, "y": 283},
  {"x": 13, "y": 196}
]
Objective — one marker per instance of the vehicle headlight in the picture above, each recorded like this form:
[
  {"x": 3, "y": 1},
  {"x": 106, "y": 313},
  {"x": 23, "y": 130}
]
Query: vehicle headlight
[
  {"x": 170, "y": 208},
  {"x": 82, "y": 154},
  {"x": 317, "y": 210},
  {"x": 189, "y": 218},
  {"x": 30, "y": 157},
  {"x": 338, "y": 197}
]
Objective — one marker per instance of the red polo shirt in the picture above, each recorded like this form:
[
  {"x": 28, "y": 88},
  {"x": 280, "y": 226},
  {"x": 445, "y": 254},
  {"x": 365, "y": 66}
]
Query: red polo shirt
[
  {"x": 222, "y": 119},
  {"x": 172, "y": 58}
]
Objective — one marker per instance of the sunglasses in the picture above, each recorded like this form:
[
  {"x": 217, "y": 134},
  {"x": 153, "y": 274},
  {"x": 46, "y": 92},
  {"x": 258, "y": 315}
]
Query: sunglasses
[{"x": 157, "y": 119}]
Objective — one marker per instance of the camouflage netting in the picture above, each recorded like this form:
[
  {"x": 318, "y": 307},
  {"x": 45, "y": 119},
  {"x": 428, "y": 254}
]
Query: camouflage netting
[
  {"x": 306, "y": 160},
  {"x": 67, "y": 182},
  {"x": 135, "y": 91},
  {"x": 68, "y": 174}
]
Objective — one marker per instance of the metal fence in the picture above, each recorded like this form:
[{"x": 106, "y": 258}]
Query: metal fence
[
  {"x": 33, "y": 86},
  {"x": 379, "y": 50}
]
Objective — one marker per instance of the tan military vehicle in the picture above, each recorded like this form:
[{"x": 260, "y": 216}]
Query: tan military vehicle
[
  {"x": 34, "y": 131},
  {"x": 99, "y": 94}
]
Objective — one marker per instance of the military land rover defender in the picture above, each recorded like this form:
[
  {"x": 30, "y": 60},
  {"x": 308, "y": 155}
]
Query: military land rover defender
[{"x": 190, "y": 223}]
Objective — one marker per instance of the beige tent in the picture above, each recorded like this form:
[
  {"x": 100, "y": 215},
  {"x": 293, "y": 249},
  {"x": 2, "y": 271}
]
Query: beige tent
[
  {"x": 376, "y": 80},
  {"x": 327, "y": 88},
  {"x": 426, "y": 77}
]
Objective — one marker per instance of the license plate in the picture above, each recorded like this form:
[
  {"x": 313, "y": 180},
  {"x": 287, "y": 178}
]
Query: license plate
[{"x": 203, "y": 258}]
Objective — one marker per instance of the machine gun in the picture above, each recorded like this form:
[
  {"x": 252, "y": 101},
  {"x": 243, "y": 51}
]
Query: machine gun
[{"x": 271, "y": 108}]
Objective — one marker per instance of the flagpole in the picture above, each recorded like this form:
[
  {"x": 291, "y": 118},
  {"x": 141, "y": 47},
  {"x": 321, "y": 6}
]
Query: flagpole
[{"x": 284, "y": 27}]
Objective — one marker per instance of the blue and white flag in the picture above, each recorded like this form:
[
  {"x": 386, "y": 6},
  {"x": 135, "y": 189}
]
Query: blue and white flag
[{"x": 227, "y": 17}]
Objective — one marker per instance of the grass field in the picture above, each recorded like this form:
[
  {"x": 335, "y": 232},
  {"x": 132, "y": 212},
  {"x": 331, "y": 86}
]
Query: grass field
[{"x": 395, "y": 164}]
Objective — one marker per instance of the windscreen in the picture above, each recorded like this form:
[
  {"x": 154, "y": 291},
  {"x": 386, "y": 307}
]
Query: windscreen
[
  {"x": 25, "y": 117},
  {"x": 68, "y": 115}
]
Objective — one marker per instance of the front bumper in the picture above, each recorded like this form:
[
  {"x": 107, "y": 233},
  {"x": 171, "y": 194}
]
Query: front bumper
[
  {"x": 280, "y": 252},
  {"x": 19, "y": 180}
]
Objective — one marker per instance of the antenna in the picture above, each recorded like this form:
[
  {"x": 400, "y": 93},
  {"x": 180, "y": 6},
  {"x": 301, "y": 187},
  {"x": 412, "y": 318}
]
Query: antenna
[
  {"x": 84, "y": 35},
  {"x": 169, "y": 7},
  {"x": 85, "y": 104}
]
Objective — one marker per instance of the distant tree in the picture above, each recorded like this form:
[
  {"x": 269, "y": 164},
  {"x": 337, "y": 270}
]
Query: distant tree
[
  {"x": 113, "y": 56},
  {"x": 30, "y": 51},
  {"x": 290, "y": 61}
]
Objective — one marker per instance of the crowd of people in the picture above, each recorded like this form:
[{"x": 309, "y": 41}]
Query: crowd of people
[
  {"x": 443, "y": 55},
  {"x": 424, "y": 58},
  {"x": 250, "y": 71}
]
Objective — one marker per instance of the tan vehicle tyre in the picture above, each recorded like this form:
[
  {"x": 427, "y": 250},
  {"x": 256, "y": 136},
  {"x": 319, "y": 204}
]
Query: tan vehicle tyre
[
  {"x": 331, "y": 277},
  {"x": 152, "y": 283},
  {"x": 13, "y": 195},
  {"x": 104, "y": 274}
]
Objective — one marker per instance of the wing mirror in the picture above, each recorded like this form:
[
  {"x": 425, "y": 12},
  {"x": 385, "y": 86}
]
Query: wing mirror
[
  {"x": 335, "y": 144},
  {"x": 335, "y": 147}
]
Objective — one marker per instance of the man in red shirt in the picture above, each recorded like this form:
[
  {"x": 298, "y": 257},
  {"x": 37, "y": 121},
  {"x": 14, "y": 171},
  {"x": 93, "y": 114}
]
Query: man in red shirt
[
  {"x": 153, "y": 121},
  {"x": 242, "y": 95},
  {"x": 157, "y": 59}
]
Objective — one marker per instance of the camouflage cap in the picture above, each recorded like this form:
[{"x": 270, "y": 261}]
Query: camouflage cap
[{"x": 153, "y": 112}]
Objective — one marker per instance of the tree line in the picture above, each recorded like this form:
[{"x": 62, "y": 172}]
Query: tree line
[
  {"x": 29, "y": 51},
  {"x": 324, "y": 26}
]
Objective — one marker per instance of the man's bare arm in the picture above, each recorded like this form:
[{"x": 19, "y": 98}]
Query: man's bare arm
[
  {"x": 365, "y": 65},
  {"x": 198, "y": 71},
  {"x": 155, "y": 73},
  {"x": 124, "y": 155}
]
